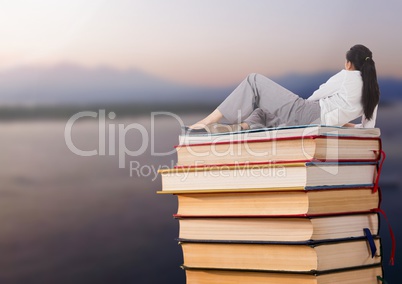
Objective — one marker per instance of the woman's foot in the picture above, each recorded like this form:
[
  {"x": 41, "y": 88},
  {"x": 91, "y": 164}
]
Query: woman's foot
[
  {"x": 223, "y": 128},
  {"x": 213, "y": 117},
  {"x": 217, "y": 128},
  {"x": 188, "y": 130},
  {"x": 209, "y": 125}
]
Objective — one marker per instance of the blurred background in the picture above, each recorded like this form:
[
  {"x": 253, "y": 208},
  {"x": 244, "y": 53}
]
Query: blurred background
[{"x": 66, "y": 218}]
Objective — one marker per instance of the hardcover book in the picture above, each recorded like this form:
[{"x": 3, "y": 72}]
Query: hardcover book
[
  {"x": 271, "y": 229},
  {"x": 307, "y": 148},
  {"x": 308, "y": 258},
  {"x": 286, "y": 176},
  {"x": 364, "y": 275},
  {"x": 277, "y": 203},
  {"x": 279, "y": 132}
]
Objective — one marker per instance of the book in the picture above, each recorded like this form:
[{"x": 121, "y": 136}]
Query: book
[
  {"x": 277, "y": 203},
  {"x": 279, "y": 132},
  {"x": 283, "y": 176},
  {"x": 297, "y": 229},
  {"x": 307, "y": 258},
  {"x": 302, "y": 148},
  {"x": 365, "y": 275}
]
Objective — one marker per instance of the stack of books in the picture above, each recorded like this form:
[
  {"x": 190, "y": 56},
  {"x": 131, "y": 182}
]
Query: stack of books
[{"x": 280, "y": 205}]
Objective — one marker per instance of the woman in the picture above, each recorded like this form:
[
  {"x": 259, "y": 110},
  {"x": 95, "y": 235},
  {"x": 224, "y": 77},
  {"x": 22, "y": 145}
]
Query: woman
[{"x": 259, "y": 102}]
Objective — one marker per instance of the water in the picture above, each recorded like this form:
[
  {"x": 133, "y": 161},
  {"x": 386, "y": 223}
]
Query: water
[{"x": 71, "y": 219}]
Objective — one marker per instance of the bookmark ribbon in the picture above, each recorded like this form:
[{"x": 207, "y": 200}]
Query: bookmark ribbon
[
  {"x": 370, "y": 240},
  {"x": 379, "y": 168},
  {"x": 391, "y": 232},
  {"x": 379, "y": 278}
]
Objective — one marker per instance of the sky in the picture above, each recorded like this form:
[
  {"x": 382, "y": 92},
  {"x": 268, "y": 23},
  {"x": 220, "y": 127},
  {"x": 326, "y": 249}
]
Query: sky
[{"x": 200, "y": 42}]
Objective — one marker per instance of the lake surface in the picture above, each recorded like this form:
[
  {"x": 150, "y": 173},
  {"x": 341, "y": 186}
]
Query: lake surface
[{"x": 67, "y": 218}]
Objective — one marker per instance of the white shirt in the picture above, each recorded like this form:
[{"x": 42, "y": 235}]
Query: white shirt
[{"x": 340, "y": 100}]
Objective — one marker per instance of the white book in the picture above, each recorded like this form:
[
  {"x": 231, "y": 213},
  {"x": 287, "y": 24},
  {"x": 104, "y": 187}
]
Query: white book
[
  {"x": 279, "y": 132},
  {"x": 281, "y": 176}
]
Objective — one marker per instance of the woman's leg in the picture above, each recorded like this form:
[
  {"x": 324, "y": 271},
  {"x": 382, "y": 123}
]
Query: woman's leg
[
  {"x": 257, "y": 91},
  {"x": 279, "y": 106},
  {"x": 236, "y": 107},
  {"x": 242, "y": 101},
  {"x": 260, "y": 119},
  {"x": 276, "y": 101}
]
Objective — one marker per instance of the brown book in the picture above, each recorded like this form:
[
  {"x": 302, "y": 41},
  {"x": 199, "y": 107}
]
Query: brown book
[
  {"x": 305, "y": 148},
  {"x": 286, "y": 176},
  {"x": 306, "y": 258},
  {"x": 278, "y": 203},
  {"x": 365, "y": 275},
  {"x": 299, "y": 229}
]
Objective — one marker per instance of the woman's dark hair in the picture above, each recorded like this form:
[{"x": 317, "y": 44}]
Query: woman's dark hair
[{"x": 362, "y": 59}]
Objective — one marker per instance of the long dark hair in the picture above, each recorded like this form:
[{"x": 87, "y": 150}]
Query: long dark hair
[{"x": 362, "y": 59}]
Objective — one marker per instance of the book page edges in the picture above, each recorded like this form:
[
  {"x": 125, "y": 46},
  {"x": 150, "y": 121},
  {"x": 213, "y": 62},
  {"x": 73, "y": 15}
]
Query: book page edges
[
  {"x": 301, "y": 216},
  {"x": 229, "y": 167},
  {"x": 219, "y": 167},
  {"x": 232, "y": 190},
  {"x": 311, "y": 272},
  {"x": 277, "y": 189},
  {"x": 245, "y": 141}
]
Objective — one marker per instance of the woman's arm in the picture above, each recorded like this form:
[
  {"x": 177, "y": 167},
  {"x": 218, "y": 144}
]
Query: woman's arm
[{"x": 332, "y": 86}]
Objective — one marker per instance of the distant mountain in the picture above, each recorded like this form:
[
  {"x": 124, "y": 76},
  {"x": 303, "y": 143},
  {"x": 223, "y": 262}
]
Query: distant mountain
[
  {"x": 304, "y": 84},
  {"x": 72, "y": 84},
  {"x": 75, "y": 85},
  {"x": 391, "y": 89}
]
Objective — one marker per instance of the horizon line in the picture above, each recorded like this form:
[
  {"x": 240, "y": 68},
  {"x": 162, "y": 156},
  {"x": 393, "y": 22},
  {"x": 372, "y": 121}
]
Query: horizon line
[{"x": 128, "y": 69}]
